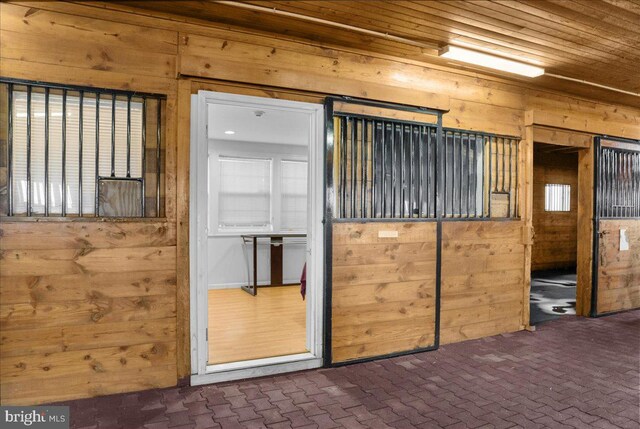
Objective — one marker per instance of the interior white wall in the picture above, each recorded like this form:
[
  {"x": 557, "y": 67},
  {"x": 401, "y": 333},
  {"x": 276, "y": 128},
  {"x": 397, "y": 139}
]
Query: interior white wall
[{"x": 226, "y": 261}]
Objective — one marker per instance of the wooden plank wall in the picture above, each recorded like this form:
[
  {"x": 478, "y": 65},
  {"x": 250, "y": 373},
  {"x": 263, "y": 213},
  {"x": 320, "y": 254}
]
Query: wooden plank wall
[
  {"x": 383, "y": 288},
  {"x": 618, "y": 271},
  {"x": 482, "y": 279},
  {"x": 556, "y": 233},
  {"x": 91, "y": 44},
  {"x": 87, "y": 308}
]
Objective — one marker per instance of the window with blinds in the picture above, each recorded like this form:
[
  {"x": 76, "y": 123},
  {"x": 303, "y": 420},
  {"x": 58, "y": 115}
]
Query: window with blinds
[
  {"x": 293, "y": 196},
  {"x": 557, "y": 198},
  {"x": 66, "y": 145},
  {"x": 244, "y": 196}
]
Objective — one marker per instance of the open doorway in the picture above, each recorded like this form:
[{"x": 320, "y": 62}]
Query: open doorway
[
  {"x": 555, "y": 222},
  {"x": 256, "y": 251}
]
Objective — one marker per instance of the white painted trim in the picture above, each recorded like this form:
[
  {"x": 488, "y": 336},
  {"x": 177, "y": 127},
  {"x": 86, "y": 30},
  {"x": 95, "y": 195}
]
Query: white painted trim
[
  {"x": 202, "y": 372},
  {"x": 259, "y": 371}
]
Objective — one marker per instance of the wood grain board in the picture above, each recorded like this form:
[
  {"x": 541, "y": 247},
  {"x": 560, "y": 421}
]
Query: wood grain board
[
  {"x": 383, "y": 297},
  {"x": 92, "y": 302},
  {"x": 482, "y": 279},
  {"x": 618, "y": 271}
]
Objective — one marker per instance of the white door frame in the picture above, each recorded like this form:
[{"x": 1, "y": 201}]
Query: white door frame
[{"x": 202, "y": 372}]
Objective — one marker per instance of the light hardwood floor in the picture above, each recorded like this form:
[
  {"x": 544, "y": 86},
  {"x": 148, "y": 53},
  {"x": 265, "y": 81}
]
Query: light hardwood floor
[{"x": 242, "y": 327}]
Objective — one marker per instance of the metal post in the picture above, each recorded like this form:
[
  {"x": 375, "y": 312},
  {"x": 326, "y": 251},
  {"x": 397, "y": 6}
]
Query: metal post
[
  {"x": 29, "y": 150},
  {"x": 158, "y": 157},
  {"x": 365, "y": 166},
  {"x": 144, "y": 155},
  {"x": 80, "y": 137},
  {"x": 128, "y": 135},
  {"x": 343, "y": 167},
  {"x": 64, "y": 152},
  {"x": 46, "y": 151},
  {"x": 97, "y": 172},
  {"x": 10, "y": 149},
  {"x": 113, "y": 135}
]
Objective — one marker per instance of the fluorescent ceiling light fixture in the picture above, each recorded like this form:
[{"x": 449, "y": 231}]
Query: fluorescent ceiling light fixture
[
  {"x": 490, "y": 61},
  {"x": 229, "y": 132}
]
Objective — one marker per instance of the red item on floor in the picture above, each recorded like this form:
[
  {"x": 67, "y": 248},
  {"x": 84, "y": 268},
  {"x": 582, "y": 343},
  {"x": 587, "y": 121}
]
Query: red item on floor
[{"x": 303, "y": 282}]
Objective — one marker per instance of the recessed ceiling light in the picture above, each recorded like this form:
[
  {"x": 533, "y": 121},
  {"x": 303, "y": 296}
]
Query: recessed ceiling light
[
  {"x": 490, "y": 61},
  {"x": 229, "y": 132}
]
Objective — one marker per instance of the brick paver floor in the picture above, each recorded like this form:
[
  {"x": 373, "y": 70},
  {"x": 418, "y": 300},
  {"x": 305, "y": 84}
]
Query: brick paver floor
[{"x": 572, "y": 372}]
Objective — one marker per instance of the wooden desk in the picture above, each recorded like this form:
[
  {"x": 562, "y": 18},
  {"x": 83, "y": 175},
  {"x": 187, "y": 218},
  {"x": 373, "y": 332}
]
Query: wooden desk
[{"x": 277, "y": 242}]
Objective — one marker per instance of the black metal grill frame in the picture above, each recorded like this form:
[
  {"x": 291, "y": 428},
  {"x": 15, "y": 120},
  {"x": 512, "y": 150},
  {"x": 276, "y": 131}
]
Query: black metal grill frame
[{"x": 82, "y": 92}]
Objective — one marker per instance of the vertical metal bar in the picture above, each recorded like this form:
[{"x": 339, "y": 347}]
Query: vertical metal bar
[
  {"x": 129, "y": 135},
  {"x": 455, "y": 187},
  {"x": 383, "y": 189},
  {"x": 80, "y": 138},
  {"x": 343, "y": 167},
  {"x": 158, "y": 156},
  {"x": 144, "y": 155},
  {"x": 445, "y": 144},
  {"x": 490, "y": 140},
  {"x": 374, "y": 161},
  {"x": 394, "y": 155},
  {"x": 10, "y": 149},
  {"x": 510, "y": 178},
  {"x": 97, "y": 175},
  {"x": 46, "y": 151},
  {"x": 468, "y": 174},
  {"x": 29, "y": 89},
  {"x": 403, "y": 173},
  {"x": 517, "y": 188},
  {"x": 460, "y": 176},
  {"x": 354, "y": 166},
  {"x": 420, "y": 172},
  {"x": 64, "y": 152},
  {"x": 363, "y": 169},
  {"x": 504, "y": 167},
  {"x": 475, "y": 175},
  {"x": 615, "y": 177},
  {"x": 113, "y": 135}
]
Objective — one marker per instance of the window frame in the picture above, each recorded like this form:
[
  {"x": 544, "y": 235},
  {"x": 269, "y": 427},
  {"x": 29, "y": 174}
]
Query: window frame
[
  {"x": 214, "y": 186},
  {"x": 68, "y": 94},
  {"x": 565, "y": 198}
]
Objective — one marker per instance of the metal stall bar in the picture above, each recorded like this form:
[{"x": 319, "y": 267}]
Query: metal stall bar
[
  {"x": 64, "y": 152},
  {"x": 80, "y": 138},
  {"x": 113, "y": 135},
  {"x": 97, "y": 175},
  {"x": 29, "y": 192},
  {"x": 46, "y": 151},
  {"x": 144, "y": 155},
  {"x": 354, "y": 166},
  {"x": 10, "y": 149},
  {"x": 158, "y": 155},
  {"x": 363, "y": 174},
  {"x": 342, "y": 147},
  {"x": 129, "y": 137},
  {"x": 468, "y": 176}
]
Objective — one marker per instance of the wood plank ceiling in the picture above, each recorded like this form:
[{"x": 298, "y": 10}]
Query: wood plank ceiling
[{"x": 593, "y": 40}]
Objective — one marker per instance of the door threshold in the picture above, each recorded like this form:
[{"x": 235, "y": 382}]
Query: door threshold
[{"x": 256, "y": 368}]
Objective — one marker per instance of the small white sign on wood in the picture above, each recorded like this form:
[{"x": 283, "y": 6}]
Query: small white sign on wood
[
  {"x": 387, "y": 234},
  {"x": 624, "y": 240}
]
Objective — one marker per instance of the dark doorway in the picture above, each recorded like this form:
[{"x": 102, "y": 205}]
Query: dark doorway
[{"x": 555, "y": 218}]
